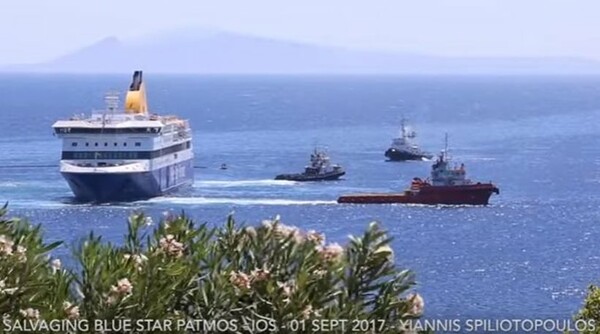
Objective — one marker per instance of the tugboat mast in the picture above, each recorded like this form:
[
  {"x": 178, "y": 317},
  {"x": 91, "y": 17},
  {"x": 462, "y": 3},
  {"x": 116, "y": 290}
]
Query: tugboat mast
[
  {"x": 403, "y": 148},
  {"x": 446, "y": 145},
  {"x": 403, "y": 127}
]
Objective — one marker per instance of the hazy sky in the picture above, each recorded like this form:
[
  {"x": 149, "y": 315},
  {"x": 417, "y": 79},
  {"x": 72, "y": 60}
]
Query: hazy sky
[{"x": 38, "y": 30}]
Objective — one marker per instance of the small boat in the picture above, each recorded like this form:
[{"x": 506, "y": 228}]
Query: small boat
[
  {"x": 448, "y": 185},
  {"x": 320, "y": 169},
  {"x": 403, "y": 148},
  {"x": 223, "y": 166}
]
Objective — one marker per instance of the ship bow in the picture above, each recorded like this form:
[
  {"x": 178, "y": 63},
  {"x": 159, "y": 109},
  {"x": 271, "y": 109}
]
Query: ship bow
[{"x": 92, "y": 187}]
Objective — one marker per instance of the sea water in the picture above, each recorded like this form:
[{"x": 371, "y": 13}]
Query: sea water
[{"x": 530, "y": 253}]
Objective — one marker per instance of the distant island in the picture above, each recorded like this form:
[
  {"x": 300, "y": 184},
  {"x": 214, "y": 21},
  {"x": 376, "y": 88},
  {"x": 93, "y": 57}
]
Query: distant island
[{"x": 217, "y": 52}]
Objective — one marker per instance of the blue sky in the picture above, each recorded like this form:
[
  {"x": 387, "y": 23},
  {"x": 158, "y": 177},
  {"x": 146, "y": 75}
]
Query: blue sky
[{"x": 38, "y": 30}]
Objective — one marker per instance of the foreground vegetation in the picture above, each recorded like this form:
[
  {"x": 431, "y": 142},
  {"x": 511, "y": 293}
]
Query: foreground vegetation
[
  {"x": 591, "y": 309},
  {"x": 179, "y": 270}
]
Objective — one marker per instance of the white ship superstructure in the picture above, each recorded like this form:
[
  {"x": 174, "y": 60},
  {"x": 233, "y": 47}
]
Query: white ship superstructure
[{"x": 125, "y": 153}]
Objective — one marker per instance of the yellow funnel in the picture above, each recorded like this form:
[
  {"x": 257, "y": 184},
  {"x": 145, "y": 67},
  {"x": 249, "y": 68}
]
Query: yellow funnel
[{"x": 135, "y": 101}]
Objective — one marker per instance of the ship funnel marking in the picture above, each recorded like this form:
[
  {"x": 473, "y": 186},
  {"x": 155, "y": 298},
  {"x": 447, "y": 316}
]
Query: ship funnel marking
[{"x": 135, "y": 101}]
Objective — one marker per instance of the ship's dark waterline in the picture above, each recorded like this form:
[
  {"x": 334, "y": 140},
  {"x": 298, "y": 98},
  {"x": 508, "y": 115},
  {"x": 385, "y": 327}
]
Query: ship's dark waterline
[
  {"x": 529, "y": 253},
  {"x": 395, "y": 155},
  {"x": 115, "y": 187}
]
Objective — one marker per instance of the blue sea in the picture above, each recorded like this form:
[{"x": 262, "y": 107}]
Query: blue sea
[{"x": 531, "y": 253}]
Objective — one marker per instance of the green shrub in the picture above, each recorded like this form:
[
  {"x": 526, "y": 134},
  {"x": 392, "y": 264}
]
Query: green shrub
[
  {"x": 590, "y": 313},
  {"x": 30, "y": 283},
  {"x": 179, "y": 271}
]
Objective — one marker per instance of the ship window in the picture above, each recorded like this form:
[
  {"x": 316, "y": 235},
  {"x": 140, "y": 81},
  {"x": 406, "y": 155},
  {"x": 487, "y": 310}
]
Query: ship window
[
  {"x": 96, "y": 144},
  {"x": 138, "y": 144},
  {"x": 73, "y": 144},
  {"x": 87, "y": 144},
  {"x": 115, "y": 144},
  {"x": 105, "y": 144},
  {"x": 124, "y": 144}
]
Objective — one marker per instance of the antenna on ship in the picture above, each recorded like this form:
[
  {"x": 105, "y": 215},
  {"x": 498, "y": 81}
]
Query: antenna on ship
[
  {"x": 317, "y": 147},
  {"x": 112, "y": 101},
  {"x": 446, "y": 145},
  {"x": 403, "y": 126},
  {"x": 407, "y": 132}
]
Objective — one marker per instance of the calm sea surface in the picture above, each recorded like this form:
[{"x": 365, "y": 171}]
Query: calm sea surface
[{"x": 531, "y": 253}]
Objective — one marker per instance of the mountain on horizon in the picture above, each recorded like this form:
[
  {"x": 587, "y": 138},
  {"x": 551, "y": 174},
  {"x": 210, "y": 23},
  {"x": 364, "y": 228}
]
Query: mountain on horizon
[{"x": 215, "y": 52}]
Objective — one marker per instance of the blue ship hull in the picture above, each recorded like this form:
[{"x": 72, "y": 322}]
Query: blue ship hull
[{"x": 119, "y": 187}]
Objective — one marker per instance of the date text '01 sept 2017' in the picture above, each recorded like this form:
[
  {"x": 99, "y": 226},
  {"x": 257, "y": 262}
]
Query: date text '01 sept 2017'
[{"x": 315, "y": 325}]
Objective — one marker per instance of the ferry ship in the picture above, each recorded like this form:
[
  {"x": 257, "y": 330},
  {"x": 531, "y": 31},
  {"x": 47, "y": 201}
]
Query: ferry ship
[
  {"x": 403, "y": 148},
  {"x": 448, "y": 185},
  {"x": 125, "y": 153}
]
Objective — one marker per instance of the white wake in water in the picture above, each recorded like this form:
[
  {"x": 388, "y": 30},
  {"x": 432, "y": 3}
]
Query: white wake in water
[
  {"x": 9, "y": 184},
  {"x": 31, "y": 184},
  {"x": 58, "y": 204},
  {"x": 236, "y": 201},
  {"x": 26, "y": 203},
  {"x": 242, "y": 183}
]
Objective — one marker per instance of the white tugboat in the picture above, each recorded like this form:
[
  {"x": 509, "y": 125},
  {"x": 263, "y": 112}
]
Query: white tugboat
[
  {"x": 320, "y": 169},
  {"x": 125, "y": 154},
  {"x": 403, "y": 148}
]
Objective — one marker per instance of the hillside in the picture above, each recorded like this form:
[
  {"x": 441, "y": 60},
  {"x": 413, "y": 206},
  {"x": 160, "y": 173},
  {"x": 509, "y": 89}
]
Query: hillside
[{"x": 229, "y": 53}]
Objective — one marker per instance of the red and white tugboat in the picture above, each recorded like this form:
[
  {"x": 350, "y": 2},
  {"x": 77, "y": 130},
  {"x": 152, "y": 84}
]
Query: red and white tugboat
[{"x": 448, "y": 185}]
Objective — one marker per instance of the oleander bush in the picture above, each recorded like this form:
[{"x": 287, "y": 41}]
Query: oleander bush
[
  {"x": 180, "y": 270},
  {"x": 590, "y": 312}
]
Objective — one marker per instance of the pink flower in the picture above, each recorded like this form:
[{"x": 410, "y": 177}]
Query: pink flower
[
  {"x": 30, "y": 313},
  {"x": 240, "y": 280},
  {"x": 21, "y": 254},
  {"x": 72, "y": 311},
  {"x": 124, "y": 286},
  {"x": 309, "y": 311},
  {"x": 137, "y": 259},
  {"x": 314, "y": 236},
  {"x": 258, "y": 275},
  {"x": 250, "y": 231},
  {"x": 6, "y": 245},
  {"x": 171, "y": 246},
  {"x": 55, "y": 265},
  {"x": 283, "y": 231},
  {"x": 288, "y": 288},
  {"x": 331, "y": 252},
  {"x": 417, "y": 305}
]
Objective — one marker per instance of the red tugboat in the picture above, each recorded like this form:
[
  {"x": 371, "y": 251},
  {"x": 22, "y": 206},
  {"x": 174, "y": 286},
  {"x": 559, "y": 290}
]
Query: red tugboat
[{"x": 448, "y": 185}]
